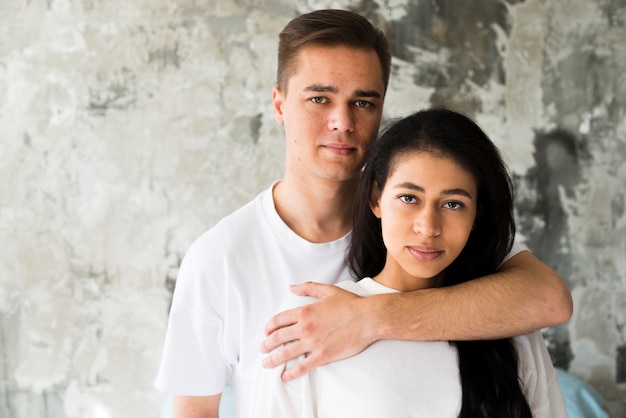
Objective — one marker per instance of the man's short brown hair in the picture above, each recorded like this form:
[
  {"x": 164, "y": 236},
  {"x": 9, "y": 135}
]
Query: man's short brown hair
[{"x": 329, "y": 27}]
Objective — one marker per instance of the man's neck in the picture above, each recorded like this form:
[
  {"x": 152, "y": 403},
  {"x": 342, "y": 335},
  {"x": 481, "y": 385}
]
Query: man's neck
[{"x": 316, "y": 211}]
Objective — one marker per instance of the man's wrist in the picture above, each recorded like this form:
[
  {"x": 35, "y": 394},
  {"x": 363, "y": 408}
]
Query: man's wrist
[{"x": 377, "y": 325}]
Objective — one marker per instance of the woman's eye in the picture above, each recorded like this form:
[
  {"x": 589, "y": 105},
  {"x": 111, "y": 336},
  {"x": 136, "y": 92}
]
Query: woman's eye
[
  {"x": 407, "y": 198},
  {"x": 453, "y": 205}
]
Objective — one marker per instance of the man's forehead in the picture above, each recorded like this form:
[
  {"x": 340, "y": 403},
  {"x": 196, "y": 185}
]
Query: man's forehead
[
  {"x": 320, "y": 51},
  {"x": 320, "y": 67}
]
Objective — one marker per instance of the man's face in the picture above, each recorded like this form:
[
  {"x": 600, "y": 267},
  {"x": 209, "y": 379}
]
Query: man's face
[{"x": 331, "y": 111}]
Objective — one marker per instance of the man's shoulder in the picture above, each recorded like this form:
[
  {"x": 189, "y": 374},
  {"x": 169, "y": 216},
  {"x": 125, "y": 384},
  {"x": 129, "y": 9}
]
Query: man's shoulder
[
  {"x": 243, "y": 221},
  {"x": 222, "y": 245}
]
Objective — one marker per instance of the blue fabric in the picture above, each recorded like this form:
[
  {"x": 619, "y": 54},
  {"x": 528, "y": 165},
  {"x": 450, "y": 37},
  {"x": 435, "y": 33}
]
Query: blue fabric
[{"x": 581, "y": 400}]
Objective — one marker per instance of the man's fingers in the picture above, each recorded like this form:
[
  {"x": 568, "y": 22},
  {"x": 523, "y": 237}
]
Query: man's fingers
[
  {"x": 299, "y": 369},
  {"x": 290, "y": 316},
  {"x": 290, "y": 352},
  {"x": 277, "y": 338},
  {"x": 283, "y": 355},
  {"x": 323, "y": 330},
  {"x": 281, "y": 320},
  {"x": 316, "y": 290}
]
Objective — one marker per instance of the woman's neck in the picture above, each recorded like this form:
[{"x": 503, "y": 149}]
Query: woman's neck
[{"x": 397, "y": 278}]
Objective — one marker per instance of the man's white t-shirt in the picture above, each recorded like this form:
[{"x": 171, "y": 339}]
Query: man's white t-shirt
[
  {"x": 396, "y": 379},
  {"x": 231, "y": 281}
]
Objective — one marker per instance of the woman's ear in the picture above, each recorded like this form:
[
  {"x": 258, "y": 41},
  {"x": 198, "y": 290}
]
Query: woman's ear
[{"x": 375, "y": 200}]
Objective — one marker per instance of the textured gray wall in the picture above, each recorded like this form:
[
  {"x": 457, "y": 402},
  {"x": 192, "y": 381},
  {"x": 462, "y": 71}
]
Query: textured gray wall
[{"x": 129, "y": 127}]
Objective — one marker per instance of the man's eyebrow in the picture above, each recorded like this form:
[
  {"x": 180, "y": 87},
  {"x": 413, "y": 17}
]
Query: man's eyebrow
[
  {"x": 455, "y": 191},
  {"x": 320, "y": 88},
  {"x": 368, "y": 93}
]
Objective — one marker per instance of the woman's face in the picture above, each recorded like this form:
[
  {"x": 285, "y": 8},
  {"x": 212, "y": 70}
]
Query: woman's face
[{"x": 427, "y": 210}]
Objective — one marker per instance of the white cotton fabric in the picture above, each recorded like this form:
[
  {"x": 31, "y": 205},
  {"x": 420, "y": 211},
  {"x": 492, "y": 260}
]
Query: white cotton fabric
[
  {"x": 232, "y": 280},
  {"x": 396, "y": 379}
]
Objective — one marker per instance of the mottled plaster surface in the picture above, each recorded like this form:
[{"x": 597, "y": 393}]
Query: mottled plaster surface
[{"x": 129, "y": 127}]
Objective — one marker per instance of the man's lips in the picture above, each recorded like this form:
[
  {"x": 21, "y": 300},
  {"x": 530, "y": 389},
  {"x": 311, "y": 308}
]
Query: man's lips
[
  {"x": 425, "y": 253},
  {"x": 340, "y": 149}
]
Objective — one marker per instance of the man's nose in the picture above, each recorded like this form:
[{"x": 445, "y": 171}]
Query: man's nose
[{"x": 341, "y": 119}]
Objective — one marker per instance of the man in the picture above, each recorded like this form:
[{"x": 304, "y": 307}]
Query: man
[{"x": 333, "y": 71}]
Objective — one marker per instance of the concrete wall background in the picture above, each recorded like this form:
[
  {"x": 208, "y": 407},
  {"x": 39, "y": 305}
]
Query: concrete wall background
[{"x": 129, "y": 127}]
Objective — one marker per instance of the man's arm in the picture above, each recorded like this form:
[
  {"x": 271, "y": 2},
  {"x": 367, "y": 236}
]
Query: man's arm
[
  {"x": 523, "y": 296},
  {"x": 197, "y": 406}
]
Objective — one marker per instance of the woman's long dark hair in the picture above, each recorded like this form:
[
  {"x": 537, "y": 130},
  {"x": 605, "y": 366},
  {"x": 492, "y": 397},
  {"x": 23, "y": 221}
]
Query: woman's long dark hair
[{"x": 488, "y": 369}]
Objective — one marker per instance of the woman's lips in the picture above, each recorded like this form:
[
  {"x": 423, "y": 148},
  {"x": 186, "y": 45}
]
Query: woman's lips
[{"x": 425, "y": 253}]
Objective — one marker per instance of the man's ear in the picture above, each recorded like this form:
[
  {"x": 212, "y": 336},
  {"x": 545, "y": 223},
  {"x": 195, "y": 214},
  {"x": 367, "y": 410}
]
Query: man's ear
[
  {"x": 277, "y": 102},
  {"x": 375, "y": 200}
]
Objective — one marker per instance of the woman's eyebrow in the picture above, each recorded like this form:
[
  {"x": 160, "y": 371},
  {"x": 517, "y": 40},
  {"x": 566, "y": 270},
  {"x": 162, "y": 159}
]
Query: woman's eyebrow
[{"x": 417, "y": 188}]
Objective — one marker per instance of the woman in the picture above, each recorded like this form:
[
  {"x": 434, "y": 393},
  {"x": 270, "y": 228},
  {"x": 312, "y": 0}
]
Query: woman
[{"x": 434, "y": 208}]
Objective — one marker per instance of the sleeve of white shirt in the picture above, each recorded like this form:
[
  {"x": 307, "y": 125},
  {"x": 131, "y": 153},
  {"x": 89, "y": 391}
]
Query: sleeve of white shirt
[
  {"x": 517, "y": 248},
  {"x": 193, "y": 361},
  {"x": 539, "y": 377}
]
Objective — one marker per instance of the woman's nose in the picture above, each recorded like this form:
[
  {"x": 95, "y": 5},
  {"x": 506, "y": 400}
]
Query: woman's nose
[{"x": 427, "y": 223}]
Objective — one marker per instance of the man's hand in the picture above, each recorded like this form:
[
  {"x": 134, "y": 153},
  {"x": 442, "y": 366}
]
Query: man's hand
[{"x": 334, "y": 328}]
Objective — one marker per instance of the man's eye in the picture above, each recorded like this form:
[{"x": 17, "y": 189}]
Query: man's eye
[
  {"x": 362, "y": 103},
  {"x": 318, "y": 100}
]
